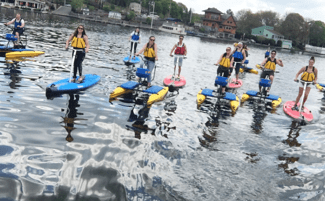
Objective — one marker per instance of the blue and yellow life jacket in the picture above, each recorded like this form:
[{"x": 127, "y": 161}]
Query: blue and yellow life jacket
[
  {"x": 78, "y": 42},
  {"x": 238, "y": 56},
  {"x": 135, "y": 36}
]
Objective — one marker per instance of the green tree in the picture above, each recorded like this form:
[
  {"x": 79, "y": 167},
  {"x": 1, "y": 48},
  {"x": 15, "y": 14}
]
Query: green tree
[
  {"x": 76, "y": 5},
  {"x": 106, "y": 8},
  {"x": 295, "y": 28},
  {"x": 246, "y": 21},
  {"x": 112, "y": 7},
  {"x": 269, "y": 18},
  {"x": 317, "y": 33}
]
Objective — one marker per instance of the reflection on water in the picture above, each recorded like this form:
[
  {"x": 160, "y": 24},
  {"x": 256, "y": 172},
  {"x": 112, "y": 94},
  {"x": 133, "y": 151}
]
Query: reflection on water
[
  {"x": 70, "y": 119},
  {"x": 82, "y": 147}
]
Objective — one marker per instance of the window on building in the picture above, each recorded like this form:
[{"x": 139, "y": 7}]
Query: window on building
[
  {"x": 260, "y": 32},
  {"x": 272, "y": 36},
  {"x": 267, "y": 35}
]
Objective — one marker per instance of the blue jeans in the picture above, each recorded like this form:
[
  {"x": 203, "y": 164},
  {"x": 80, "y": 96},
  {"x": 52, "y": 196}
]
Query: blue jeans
[{"x": 150, "y": 65}]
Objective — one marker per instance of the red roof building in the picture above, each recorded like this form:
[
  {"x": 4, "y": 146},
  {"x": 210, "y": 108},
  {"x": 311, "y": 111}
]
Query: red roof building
[{"x": 224, "y": 25}]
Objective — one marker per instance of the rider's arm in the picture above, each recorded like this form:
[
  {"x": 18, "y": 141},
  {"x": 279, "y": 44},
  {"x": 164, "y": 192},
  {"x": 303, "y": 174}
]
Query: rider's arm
[
  {"x": 232, "y": 62},
  {"x": 156, "y": 52},
  {"x": 244, "y": 54},
  {"x": 300, "y": 71},
  {"x": 171, "y": 52},
  {"x": 10, "y": 22},
  {"x": 185, "y": 53},
  {"x": 87, "y": 43},
  {"x": 220, "y": 60},
  {"x": 263, "y": 62},
  {"x": 279, "y": 62},
  {"x": 140, "y": 51},
  {"x": 316, "y": 72},
  {"x": 68, "y": 41}
]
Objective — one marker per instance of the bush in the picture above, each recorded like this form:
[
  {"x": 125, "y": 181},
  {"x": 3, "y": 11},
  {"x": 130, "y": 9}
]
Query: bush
[
  {"x": 106, "y": 8},
  {"x": 148, "y": 20},
  {"x": 279, "y": 43},
  {"x": 202, "y": 30},
  {"x": 91, "y": 8},
  {"x": 130, "y": 16},
  {"x": 112, "y": 7}
]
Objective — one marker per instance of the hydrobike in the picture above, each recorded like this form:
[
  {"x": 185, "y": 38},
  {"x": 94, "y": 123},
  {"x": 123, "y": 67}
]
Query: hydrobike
[
  {"x": 272, "y": 100},
  {"x": 301, "y": 114},
  {"x": 244, "y": 68},
  {"x": 173, "y": 80},
  {"x": 19, "y": 48},
  {"x": 131, "y": 59},
  {"x": 67, "y": 86},
  {"x": 321, "y": 88},
  {"x": 228, "y": 99},
  {"x": 140, "y": 90}
]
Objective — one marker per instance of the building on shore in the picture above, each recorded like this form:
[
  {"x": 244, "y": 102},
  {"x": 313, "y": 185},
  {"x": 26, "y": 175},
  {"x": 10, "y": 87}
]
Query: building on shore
[
  {"x": 115, "y": 15},
  {"x": 269, "y": 33},
  {"x": 136, "y": 7},
  {"x": 30, "y": 4},
  {"x": 222, "y": 25}
]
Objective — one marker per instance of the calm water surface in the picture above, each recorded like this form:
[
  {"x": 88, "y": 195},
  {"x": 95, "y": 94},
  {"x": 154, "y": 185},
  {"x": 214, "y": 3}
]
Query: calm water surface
[{"x": 81, "y": 147}]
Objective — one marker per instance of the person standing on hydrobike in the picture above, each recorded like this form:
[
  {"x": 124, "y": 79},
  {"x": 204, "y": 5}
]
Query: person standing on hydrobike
[
  {"x": 135, "y": 38},
  {"x": 224, "y": 65},
  {"x": 269, "y": 64},
  {"x": 180, "y": 50},
  {"x": 79, "y": 42},
  {"x": 19, "y": 26},
  {"x": 238, "y": 57},
  {"x": 150, "y": 55}
]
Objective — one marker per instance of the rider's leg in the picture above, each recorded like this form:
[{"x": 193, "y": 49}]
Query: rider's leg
[
  {"x": 306, "y": 95},
  {"x": 238, "y": 64},
  {"x": 271, "y": 78},
  {"x": 299, "y": 95}
]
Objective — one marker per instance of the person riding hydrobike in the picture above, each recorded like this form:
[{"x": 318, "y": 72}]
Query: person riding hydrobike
[
  {"x": 136, "y": 38},
  {"x": 309, "y": 75},
  {"x": 19, "y": 26},
  {"x": 180, "y": 49},
  {"x": 79, "y": 42},
  {"x": 269, "y": 64},
  {"x": 267, "y": 53},
  {"x": 150, "y": 56},
  {"x": 238, "y": 57},
  {"x": 224, "y": 65}
]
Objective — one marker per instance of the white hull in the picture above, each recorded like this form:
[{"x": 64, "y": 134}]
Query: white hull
[{"x": 179, "y": 31}]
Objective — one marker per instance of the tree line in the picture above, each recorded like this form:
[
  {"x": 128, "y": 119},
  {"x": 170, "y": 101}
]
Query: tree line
[{"x": 293, "y": 26}]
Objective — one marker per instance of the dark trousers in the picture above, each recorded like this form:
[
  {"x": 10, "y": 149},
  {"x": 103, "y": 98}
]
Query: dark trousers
[
  {"x": 78, "y": 63},
  {"x": 135, "y": 47}
]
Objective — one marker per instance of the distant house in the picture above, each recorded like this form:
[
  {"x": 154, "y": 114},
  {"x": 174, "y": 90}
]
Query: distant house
[
  {"x": 197, "y": 25},
  {"x": 30, "y": 3},
  {"x": 268, "y": 32},
  {"x": 115, "y": 15},
  {"x": 85, "y": 11},
  {"x": 136, "y": 7},
  {"x": 224, "y": 25}
]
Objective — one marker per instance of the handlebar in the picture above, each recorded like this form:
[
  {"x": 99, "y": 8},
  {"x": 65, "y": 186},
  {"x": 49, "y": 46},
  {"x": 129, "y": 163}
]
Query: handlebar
[
  {"x": 302, "y": 81},
  {"x": 179, "y": 56}
]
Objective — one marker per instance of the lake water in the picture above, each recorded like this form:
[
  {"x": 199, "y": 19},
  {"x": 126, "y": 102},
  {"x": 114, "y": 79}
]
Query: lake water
[{"x": 82, "y": 147}]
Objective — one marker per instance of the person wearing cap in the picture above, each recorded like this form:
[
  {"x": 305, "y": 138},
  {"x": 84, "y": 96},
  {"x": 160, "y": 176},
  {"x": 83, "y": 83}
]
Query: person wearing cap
[{"x": 238, "y": 58}]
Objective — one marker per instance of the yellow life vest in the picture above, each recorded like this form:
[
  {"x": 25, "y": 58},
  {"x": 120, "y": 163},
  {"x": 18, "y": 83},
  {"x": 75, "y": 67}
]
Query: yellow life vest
[
  {"x": 308, "y": 77},
  {"x": 149, "y": 52},
  {"x": 225, "y": 62},
  {"x": 78, "y": 42},
  {"x": 270, "y": 64}
]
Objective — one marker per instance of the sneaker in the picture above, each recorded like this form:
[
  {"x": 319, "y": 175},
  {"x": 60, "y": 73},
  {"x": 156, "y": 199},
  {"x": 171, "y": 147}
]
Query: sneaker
[
  {"x": 302, "y": 108},
  {"x": 295, "y": 107},
  {"x": 258, "y": 93}
]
